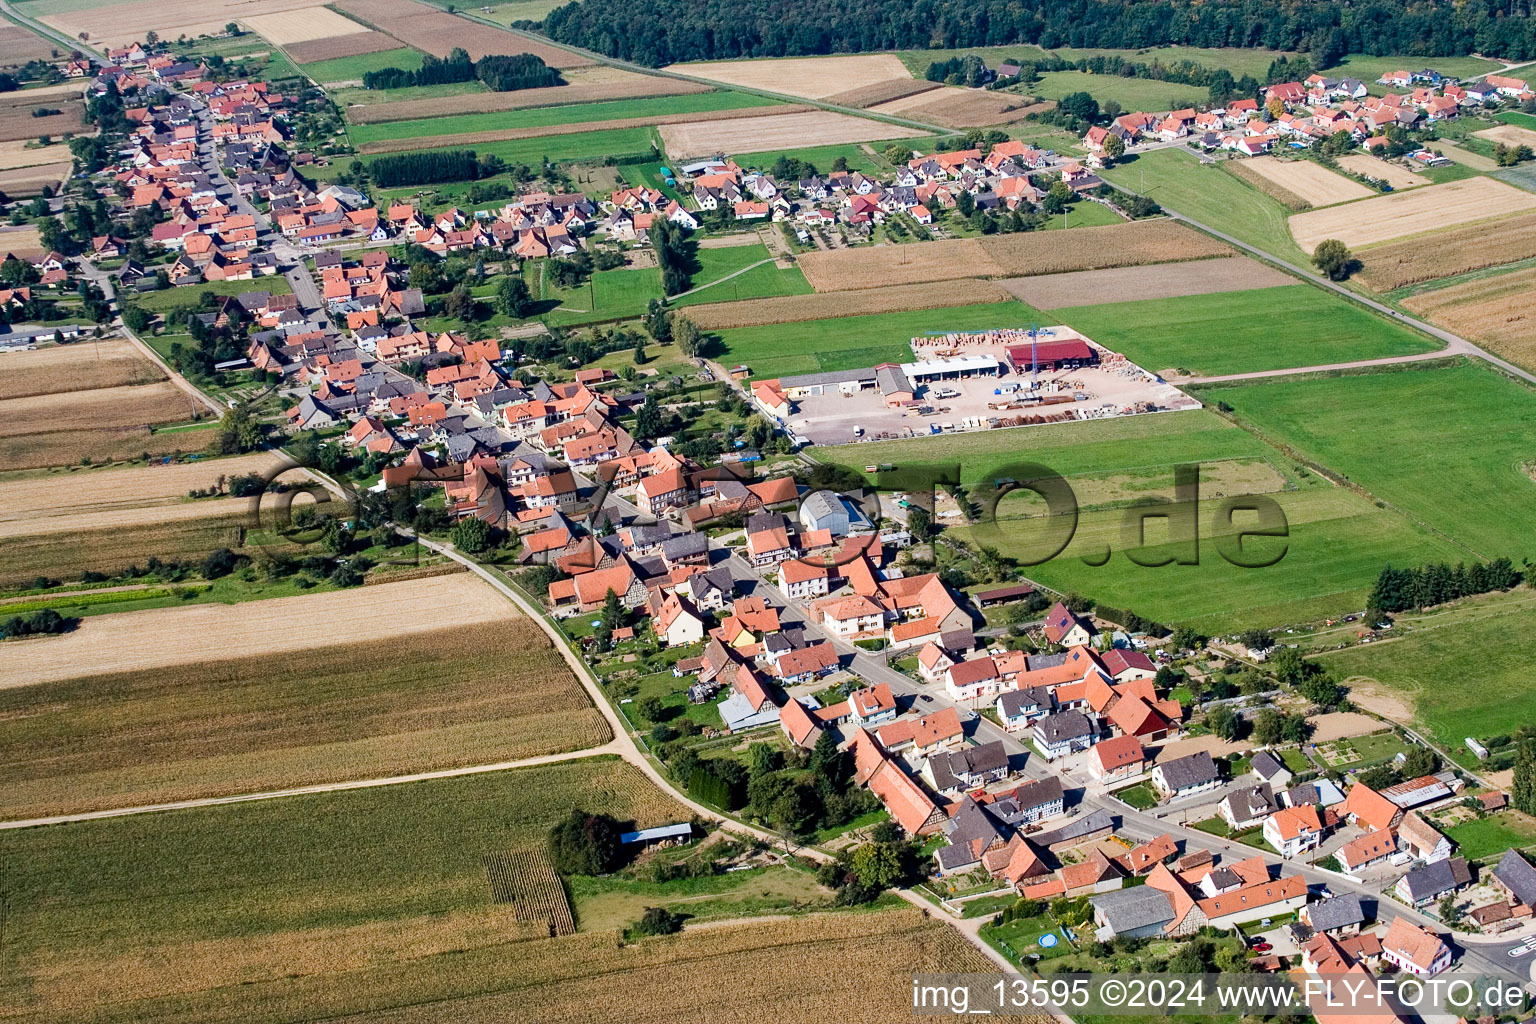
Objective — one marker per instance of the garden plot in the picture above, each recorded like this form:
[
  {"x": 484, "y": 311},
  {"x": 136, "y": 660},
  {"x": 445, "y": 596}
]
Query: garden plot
[
  {"x": 1159, "y": 280},
  {"x": 809, "y": 77},
  {"x": 780, "y": 131},
  {"x": 1395, "y": 175},
  {"x": 304, "y": 25},
  {"x": 1400, "y": 214},
  {"x": 182, "y": 636},
  {"x": 1313, "y": 183}
]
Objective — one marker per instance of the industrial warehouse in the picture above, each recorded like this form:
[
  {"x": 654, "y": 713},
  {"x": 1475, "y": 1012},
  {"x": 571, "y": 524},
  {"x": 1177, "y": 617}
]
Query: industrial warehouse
[{"x": 967, "y": 381}]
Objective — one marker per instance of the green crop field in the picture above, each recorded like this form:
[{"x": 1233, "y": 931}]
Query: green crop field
[
  {"x": 352, "y": 69},
  {"x": 1445, "y": 444},
  {"x": 349, "y": 95},
  {"x": 716, "y": 265},
  {"x": 295, "y": 909},
  {"x": 540, "y": 117},
  {"x": 786, "y": 349},
  {"x": 560, "y": 148},
  {"x": 1176, "y": 179},
  {"x": 1337, "y": 541},
  {"x": 823, "y": 157},
  {"x": 1130, "y": 93},
  {"x": 1461, "y": 669},
  {"x": 1238, "y": 332},
  {"x": 474, "y": 695},
  {"x": 192, "y": 294}
]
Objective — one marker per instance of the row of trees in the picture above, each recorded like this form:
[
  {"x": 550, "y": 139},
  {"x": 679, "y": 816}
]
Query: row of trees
[
  {"x": 500, "y": 73},
  {"x": 1398, "y": 590},
  {"x": 658, "y": 32},
  {"x": 433, "y": 166}
]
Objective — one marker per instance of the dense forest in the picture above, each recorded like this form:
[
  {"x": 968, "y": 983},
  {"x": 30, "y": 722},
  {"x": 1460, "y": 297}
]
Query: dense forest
[
  {"x": 499, "y": 73},
  {"x": 660, "y": 32}
]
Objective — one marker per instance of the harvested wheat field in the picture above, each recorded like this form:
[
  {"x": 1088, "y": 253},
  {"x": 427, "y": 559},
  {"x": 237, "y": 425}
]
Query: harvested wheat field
[
  {"x": 40, "y": 504},
  {"x": 20, "y": 154},
  {"x": 17, "y": 122},
  {"x": 69, "y": 554},
  {"x": 1401, "y": 214},
  {"x": 438, "y": 32},
  {"x": 165, "y": 511},
  {"x": 304, "y": 25},
  {"x": 79, "y": 366},
  {"x": 1509, "y": 135},
  {"x": 474, "y": 695},
  {"x": 133, "y": 641},
  {"x": 23, "y": 241},
  {"x": 811, "y": 77},
  {"x": 99, "y": 446},
  {"x": 27, "y": 182},
  {"x": 779, "y": 131},
  {"x": 959, "y": 108},
  {"x": 353, "y": 44},
  {"x": 881, "y": 92},
  {"x": 17, "y": 46},
  {"x": 1498, "y": 312},
  {"x": 583, "y": 85},
  {"x": 99, "y": 408},
  {"x": 121, "y": 23},
  {"x": 474, "y": 138},
  {"x": 1155, "y": 281},
  {"x": 1314, "y": 183},
  {"x": 729, "y": 974},
  {"x": 788, "y": 309},
  {"x": 1448, "y": 253},
  {"x": 1034, "y": 252},
  {"x": 1395, "y": 175}
]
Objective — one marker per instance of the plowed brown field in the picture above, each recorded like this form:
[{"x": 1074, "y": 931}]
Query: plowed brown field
[
  {"x": 788, "y": 309},
  {"x": 438, "y": 32},
  {"x": 1155, "y": 281},
  {"x": 353, "y": 44}
]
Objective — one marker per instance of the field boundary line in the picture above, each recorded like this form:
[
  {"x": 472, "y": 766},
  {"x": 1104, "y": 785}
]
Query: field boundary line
[{"x": 323, "y": 787}]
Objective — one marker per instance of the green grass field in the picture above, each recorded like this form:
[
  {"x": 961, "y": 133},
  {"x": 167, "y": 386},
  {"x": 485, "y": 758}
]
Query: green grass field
[
  {"x": 1239, "y": 62},
  {"x": 1446, "y": 444},
  {"x": 1208, "y": 194},
  {"x": 519, "y": 10},
  {"x": 759, "y": 282},
  {"x": 1491, "y": 836},
  {"x": 540, "y": 117},
  {"x": 191, "y": 295},
  {"x": 822, "y": 157},
  {"x": 607, "y": 295},
  {"x": 1462, "y": 669},
  {"x": 782, "y": 350},
  {"x": 561, "y": 148},
  {"x": 1238, "y": 332},
  {"x": 1083, "y": 214},
  {"x": 349, "y": 95},
  {"x": 1517, "y": 119},
  {"x": 1367, "y": 68},
  {"x": 327, "y": 905},
  {"x": 1130, "y": 93},
  {"x": 352, "y": 69},
  {"x": 1336, "y": 546}
]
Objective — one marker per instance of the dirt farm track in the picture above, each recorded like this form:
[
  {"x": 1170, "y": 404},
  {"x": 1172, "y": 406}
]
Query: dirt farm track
[{"x": 209, "y": 632}]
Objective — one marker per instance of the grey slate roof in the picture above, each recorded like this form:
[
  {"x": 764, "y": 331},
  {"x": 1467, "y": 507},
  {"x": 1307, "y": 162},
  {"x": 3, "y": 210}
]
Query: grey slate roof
[
  {"x": 1063, "y": 726},
  {"x": 1339, "y": 912},
  {"x": 1140, "y": 906},
  {"x": 1186, "y": 772},
  {"x": 1266, "y": 765},
  {"x": 685, "y": 545},
  {"x": 1083, "y": 825},
  {"x": 1518, "y": 877},
  {"x": 1428, "y": 881}
]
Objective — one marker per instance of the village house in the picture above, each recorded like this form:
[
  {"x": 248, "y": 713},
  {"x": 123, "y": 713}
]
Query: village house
[{"x": 1186, "y": 776}]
